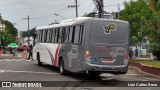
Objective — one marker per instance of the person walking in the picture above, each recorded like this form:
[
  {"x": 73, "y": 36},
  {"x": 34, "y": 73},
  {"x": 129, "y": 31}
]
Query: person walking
[
  {"x": 30, "y": 51},
  {"x": 133, "y": 50},
  {"x": 14, "y": 52},
  {"x": 136, "y": 52},
  {"x": 130, "y": 53},
  {"x": 24, "y": 54},
  {"x": 0, "y": 52}
]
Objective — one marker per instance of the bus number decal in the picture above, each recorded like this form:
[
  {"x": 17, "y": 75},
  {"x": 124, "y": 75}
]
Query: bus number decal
[
  {"x": 72, "y": 54},
  {"x": 109, "y": 27}
]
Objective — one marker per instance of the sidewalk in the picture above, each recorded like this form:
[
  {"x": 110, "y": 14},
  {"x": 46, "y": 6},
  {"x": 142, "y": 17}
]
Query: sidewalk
[
  {"x": 139, "y": 58},
  {"x": 18, "y": 54}
]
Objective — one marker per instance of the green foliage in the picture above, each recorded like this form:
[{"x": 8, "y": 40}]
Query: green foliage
[
  {"x": 145, "y": 22},
  {"x": 6, "y": 38},
  {"x": 92, "y": 14},
  {"x": 137, "y": 13},
  {"x": 11, "y": 29},
  {"x": 9, "y": 34},
  {"x": 152, "y": 5},
  {"x": 31, "y": 32}
]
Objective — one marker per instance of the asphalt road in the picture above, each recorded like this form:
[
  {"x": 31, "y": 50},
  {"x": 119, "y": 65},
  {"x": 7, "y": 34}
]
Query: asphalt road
[{"x": 17, "y": 69}]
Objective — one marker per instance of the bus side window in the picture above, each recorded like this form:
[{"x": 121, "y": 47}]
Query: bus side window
[
  {"x": 80, "y": 34},
  {"x": 45, "y": 37},
  {"x": 60, "y": 35},
  {"x": 63, "y": 35},
  {"x": 52, "y": 35},
  {"x": 48, "y": 34},
  {"x": 41, "y": 36},
  {"x": 56, "y": 35},
  {"x": 70, "y": 35},
  {"x": 73, "y": 34},
  {"x": 76, "y": 34},
  {"x": 67, "y": 35},
  {"x": 38, "y": 32}
]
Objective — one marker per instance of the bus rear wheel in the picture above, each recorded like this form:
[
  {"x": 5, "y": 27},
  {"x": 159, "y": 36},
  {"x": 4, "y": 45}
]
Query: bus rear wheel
[
  {"x": 39, "y": 61},
  {"x": 61, "y": 67}
]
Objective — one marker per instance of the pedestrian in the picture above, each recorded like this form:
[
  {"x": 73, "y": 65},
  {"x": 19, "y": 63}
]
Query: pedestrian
[
  {"x": 24, "y": 54},
  {"x": 136, "y": 52},
  {"x": 30, "y": 51},
  {"x": 14, "y": 52},
  {"x": 0, "y": 52},
  {"x": 133, "y": 49},
  {"x": 130, "y": 53}
]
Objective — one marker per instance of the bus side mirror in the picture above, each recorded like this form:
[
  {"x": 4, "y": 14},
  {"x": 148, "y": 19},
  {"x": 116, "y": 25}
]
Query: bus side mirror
[
  {"x": 35, "y": 34},
  {"x": 34, "y": 37}
]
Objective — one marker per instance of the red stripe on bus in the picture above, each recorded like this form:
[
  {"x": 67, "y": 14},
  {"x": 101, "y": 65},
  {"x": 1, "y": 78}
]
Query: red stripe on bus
[
  {"x": 56, "y": 56},
  {"x": 52, "y": 58}
]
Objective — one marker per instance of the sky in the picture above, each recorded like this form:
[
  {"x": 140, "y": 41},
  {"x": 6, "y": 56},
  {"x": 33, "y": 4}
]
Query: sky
[{"x": 42, "y": 12}]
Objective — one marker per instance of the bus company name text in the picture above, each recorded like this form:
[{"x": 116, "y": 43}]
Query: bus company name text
[{"x": 14, "y": 84}]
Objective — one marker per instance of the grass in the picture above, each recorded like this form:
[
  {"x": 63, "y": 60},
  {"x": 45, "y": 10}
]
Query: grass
[{"x": 154, "y": 63}]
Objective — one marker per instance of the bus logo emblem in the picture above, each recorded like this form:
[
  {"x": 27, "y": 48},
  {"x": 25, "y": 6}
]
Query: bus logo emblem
[{"x": 109, "y": 27}]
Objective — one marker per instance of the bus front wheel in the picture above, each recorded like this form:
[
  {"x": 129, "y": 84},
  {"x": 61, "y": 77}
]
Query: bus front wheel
[{"x": 39, "y": 61}]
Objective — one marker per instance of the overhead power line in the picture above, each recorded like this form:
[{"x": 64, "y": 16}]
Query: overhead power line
[
  {"x": 13, "y": 3},
  {"x": 40, "y": 7},
  {"x": 49, "y": 13}
]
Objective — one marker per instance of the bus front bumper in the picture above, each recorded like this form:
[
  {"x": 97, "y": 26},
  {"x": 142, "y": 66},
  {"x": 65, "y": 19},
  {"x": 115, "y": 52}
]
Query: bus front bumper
[{"x": 117, "y": 69}]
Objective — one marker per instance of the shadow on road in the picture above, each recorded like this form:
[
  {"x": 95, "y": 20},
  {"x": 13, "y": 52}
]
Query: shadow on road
[{"x": 83, "y": 80}]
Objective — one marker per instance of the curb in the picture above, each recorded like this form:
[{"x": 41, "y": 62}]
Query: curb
[{"x": 147, "y": 70}]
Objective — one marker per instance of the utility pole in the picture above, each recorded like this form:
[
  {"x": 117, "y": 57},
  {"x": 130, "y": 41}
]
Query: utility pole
[
  {"x": 118, "y": 7},
  {"x": 28, "y": 28},
  {"x": 74, "y": 6},
  {"x": 99, "y": 6}
]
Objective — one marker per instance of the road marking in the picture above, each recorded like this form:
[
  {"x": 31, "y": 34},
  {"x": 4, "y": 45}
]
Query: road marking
[
  {"x": 32, "y": 72},
  {"x": 129, "y": 76},
  {"x": 8, "y": 60},
  {"x": 15, "y": 60}
]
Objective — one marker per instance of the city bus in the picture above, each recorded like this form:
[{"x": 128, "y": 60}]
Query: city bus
[{"x": 84, "y": 45}]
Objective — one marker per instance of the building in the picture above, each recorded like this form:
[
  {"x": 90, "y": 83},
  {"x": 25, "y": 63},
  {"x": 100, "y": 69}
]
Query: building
[{"x": 24, "y": 41}]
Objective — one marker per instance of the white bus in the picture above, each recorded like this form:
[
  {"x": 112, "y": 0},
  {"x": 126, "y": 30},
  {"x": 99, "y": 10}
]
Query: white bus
[{"x": 84, "y": 44}]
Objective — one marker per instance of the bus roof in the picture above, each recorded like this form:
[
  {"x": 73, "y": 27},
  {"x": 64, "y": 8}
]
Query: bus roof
[{"x": 74, "y": 21}]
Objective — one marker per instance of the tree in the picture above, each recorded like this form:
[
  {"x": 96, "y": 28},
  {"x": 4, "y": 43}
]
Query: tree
[
  {"x": 25, "y": 33},
  {"x": 92, "y": 14},
  {"x": 11, "y": 29},
  {"x": 137, "y": 13},
  {"x": 144, "y": 19},
  {"x": 153, "y": 5}
]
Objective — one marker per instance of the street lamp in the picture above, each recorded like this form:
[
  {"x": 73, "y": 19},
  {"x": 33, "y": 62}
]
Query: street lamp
[{"x": 60, "y": 16}]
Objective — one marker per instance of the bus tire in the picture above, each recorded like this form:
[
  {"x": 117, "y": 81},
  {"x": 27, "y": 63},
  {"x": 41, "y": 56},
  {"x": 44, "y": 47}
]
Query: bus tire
[
  {"x": 39, "y": 61},
  {"x": 61, "y": 67}
]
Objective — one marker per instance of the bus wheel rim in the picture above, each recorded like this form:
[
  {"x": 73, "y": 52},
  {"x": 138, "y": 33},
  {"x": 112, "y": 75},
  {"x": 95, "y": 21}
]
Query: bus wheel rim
[{"x": 61, "y": 68}]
